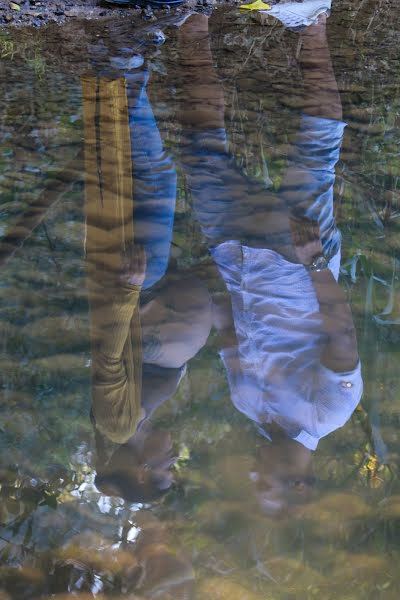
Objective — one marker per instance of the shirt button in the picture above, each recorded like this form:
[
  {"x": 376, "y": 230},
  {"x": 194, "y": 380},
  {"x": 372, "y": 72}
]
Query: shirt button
[{"x": 346, "y": 384}]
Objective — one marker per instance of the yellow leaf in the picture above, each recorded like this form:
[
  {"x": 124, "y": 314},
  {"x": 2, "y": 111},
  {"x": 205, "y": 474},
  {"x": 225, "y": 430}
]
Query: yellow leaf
[
  {"x": 15, "y": 6},
  {"x": 258, "y": 5}
]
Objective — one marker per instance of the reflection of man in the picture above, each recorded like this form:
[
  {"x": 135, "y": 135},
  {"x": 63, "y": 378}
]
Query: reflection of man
[{"x": 288, "y": 340}]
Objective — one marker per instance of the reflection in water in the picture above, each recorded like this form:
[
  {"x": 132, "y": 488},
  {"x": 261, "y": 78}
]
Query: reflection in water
[
  {"x": 286, "y": 337},
  {"x": 138, "y": 352},
  {"x": 115, "y": 265},
  {"x": 287, "y": 341},
  {"x": 128, "y": 232},
  {"x": 177, "y": 479}
]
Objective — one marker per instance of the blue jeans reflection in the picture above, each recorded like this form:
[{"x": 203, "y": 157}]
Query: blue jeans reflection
[{"x": 154, "y": 180}]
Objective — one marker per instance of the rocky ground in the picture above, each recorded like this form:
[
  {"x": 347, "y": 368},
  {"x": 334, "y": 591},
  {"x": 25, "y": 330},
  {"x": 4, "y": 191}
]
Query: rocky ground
[{"x": 41, "y": 12}]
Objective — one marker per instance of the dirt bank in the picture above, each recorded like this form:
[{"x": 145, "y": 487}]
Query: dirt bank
[{"x": 37, "y": 13}]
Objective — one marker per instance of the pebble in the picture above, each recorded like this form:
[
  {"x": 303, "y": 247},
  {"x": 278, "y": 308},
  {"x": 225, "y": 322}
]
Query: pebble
[
  {"x": 156, "y": 37},
  {"x": 148, "y": 12}
]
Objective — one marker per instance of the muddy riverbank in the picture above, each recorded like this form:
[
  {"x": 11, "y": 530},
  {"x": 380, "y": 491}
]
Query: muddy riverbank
[{"x": 37, "y": 13}]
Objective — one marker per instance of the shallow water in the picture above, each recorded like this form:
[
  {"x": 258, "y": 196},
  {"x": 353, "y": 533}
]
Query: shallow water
[{"x": 199, "y": 503}]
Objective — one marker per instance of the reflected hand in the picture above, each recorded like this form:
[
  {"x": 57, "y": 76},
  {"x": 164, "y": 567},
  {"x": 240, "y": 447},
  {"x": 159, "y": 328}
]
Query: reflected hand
[
  {"x": 134, "y": 266},
  {"x": 306, "y": 239}
]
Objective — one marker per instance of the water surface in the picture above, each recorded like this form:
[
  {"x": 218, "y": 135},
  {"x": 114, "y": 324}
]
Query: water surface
[{"x": 155, "y": 199}]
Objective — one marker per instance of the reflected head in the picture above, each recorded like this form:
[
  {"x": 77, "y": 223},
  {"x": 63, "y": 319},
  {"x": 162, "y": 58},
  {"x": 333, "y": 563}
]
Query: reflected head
[{"x": 282, "y": 476}]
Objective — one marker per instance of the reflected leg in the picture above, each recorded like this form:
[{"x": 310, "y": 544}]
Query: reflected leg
[
  {"x": 113, "y": 301},
  {"x": 154, "y": 180},
  {"x": 228, "y": 204},
  {"x": 308, "y": 184}
]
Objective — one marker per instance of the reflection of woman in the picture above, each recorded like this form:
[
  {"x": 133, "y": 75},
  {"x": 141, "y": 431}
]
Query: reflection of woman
[
  {"x": 288, "y": 341},
  {"x": 128, "y": 230},
  {"x": 139, "y": 345},
  {"x": 117, "y": 268}
]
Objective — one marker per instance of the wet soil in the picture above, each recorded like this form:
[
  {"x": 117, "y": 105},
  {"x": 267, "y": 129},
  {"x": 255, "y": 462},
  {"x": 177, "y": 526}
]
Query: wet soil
[{"x": 37, "y": 13}]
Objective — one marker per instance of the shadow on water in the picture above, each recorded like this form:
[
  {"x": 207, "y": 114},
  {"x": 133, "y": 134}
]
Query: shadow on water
[{"x": 200, "y": 308}]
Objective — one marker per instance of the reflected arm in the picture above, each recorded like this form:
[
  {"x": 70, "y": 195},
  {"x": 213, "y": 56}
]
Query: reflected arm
[{"x": 340, "y": 352}]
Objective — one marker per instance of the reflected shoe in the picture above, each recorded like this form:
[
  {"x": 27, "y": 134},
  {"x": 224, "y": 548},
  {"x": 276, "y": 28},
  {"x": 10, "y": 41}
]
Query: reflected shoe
[
  {"x": 180, "y": 20},
  {"x": 299, "y": 14},
  {"x": 127, "y": 63}
]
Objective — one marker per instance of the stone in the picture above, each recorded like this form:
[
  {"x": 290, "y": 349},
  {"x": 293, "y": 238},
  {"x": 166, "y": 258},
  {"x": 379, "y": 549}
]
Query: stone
[
  {"x": 156, "y": 36},
  {"x": 148, "y": 11}
]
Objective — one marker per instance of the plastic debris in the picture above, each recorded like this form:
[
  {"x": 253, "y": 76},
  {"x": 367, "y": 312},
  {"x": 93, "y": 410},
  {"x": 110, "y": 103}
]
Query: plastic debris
[{"x": 257, "y": 5}]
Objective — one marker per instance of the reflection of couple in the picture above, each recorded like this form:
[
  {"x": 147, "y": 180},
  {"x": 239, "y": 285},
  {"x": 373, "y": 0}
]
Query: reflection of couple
[{"x": 286, "y": 337}]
